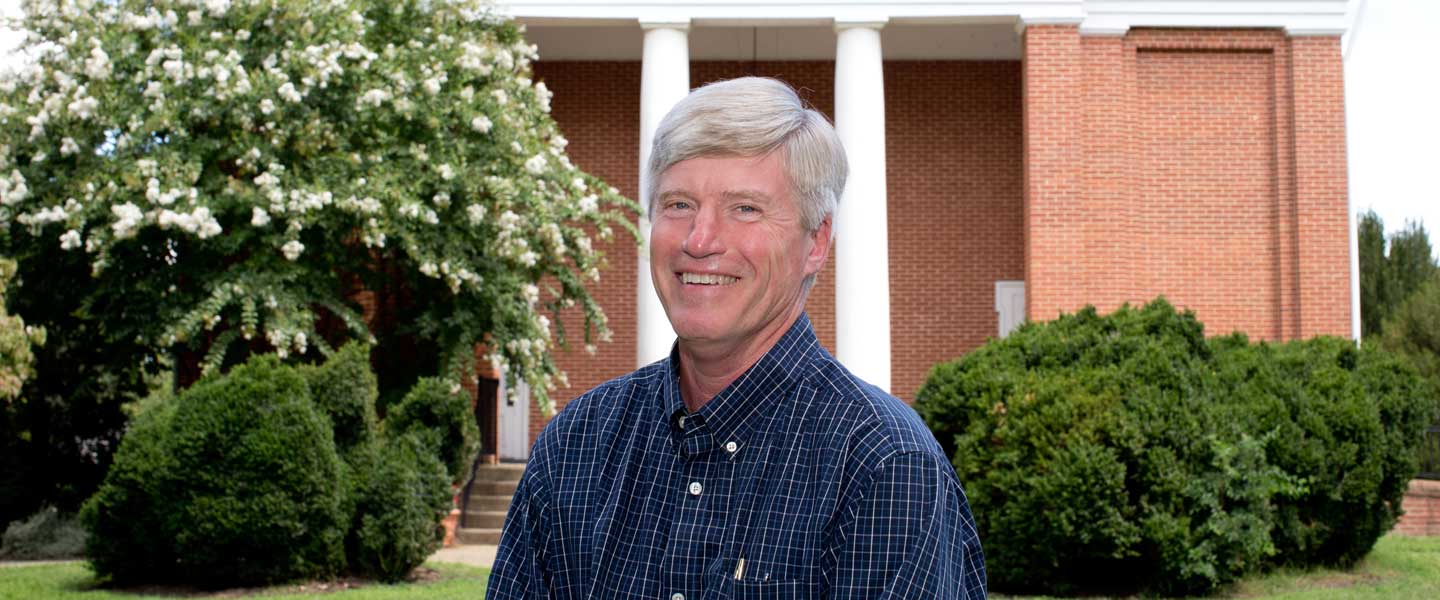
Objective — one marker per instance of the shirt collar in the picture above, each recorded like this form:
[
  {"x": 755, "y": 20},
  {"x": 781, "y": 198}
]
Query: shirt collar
[{"x": 727, "y": 414}]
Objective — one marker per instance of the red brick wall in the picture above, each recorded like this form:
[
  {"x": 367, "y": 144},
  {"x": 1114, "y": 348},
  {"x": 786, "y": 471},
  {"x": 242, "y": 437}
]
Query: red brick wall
[
  {"x": 1422, "y": 509},
  {"x": 953, "y": 169},
  {"x": 1207, "y": 166}
]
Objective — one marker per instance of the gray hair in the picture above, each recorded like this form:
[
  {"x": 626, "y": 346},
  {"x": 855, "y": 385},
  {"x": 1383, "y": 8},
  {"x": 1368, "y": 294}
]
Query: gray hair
[{"x": 754, "y": 116}]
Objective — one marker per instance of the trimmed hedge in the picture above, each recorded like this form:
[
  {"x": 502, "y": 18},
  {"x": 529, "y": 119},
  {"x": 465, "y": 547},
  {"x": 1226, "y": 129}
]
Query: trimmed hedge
[
  {"x": 241, "y": 480},
  {"x": 345, "y": 389},
  {"x": 1127, "y": 452},
  {"x": 440, "y": 416},
  {"x": 237, "y": 481},
  {"x": 400, "y": 502}
]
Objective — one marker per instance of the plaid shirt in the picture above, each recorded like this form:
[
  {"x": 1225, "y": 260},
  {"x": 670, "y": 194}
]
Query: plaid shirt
[{"x": 797, "y": 481}]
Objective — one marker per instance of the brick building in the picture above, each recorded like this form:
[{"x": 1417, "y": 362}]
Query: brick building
[{"x": 1011, "y": 159}]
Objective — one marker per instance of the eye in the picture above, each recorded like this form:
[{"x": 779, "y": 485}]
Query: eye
[
  {"x": 747, "y": 208},
  {"x": 677, "y": 205}
]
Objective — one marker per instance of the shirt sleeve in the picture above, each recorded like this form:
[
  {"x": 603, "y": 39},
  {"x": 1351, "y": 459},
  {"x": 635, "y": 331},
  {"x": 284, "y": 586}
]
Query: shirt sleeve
[
  {"x": 906, "y": 533},
  {"x": 518, "y": 572}
]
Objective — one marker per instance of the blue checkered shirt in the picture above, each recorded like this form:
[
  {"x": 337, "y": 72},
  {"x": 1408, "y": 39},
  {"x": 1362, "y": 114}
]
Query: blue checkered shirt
[{"x": 798, "y": 480}]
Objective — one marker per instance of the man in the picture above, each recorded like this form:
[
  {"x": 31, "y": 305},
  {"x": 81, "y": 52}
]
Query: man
[{"x": 749, "y": 464}]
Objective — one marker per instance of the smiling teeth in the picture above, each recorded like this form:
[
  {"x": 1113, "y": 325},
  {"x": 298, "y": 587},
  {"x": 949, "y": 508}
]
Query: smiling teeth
[{"x": 707, "y": 279}]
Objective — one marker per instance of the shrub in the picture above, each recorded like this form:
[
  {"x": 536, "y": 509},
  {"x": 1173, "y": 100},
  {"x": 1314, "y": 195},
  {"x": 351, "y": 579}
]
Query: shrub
[
  {"x": 440, "y": 416},
  {"x": 344, "y": 388},
  {"x": 44, "y": 535},
  {"x": 401, "y": 499},
  {"x": 237, "y": 483},
  {"x": 1128, "y": 448},
  {"x": 129, "y": 531},
  {"x": 1413, "y": 330}
]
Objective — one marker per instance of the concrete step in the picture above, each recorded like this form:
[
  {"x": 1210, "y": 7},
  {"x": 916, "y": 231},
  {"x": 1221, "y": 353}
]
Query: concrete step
[
  {"x": 499, "y": 472},
  {"x": 489, "y": 537},
  {"x": 484, "y": 519},
  {"x": 488, "y": 503},
  {"x": 493, "y": 488}
]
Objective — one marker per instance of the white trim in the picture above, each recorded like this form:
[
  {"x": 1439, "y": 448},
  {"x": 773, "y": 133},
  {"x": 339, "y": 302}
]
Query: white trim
[{"x": 1096, "y": 17}]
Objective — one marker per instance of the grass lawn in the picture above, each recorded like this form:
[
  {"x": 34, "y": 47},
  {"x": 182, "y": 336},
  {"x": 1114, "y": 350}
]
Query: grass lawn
[
  {"x": 1399, "y": 568},
  {"x": 72, "y": 581}
]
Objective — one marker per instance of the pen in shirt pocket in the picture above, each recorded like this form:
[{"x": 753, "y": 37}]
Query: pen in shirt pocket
[{"x": 740, "y": 569}]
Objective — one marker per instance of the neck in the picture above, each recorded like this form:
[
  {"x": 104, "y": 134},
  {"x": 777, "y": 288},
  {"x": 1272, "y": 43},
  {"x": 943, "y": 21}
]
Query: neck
[{"x": 706, "y": 369}]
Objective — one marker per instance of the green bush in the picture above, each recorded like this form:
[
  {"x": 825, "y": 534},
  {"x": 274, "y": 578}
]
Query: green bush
[
  {"x": 239, "y": 483},
  {"x": 440, "y": 416},
  {"x": 45, "y": 535},
  {"x": 1128, "y": 448},
  {"x": 344, "y": 388},
  {"x": 401, "y": 499}
]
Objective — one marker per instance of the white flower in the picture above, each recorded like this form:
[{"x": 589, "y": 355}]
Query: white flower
[
  {"x": 98, "y": 65},
  {"x": 70, "y": 240},
  {"x": 476, "y": 213},
  {"x": 374, "y": 97},
  {"x": 429, "y": 269},
  {"x": 292, "y": 249},
  {"x": 432, "y": 85},
  {"x": 589, "y": 203},
  {"x": 267, "y": 106},
  {"x": 68, "y": 147},
  {"x": 535, "y": 165},
  {"x": 531, "y": 293},
  {"x": 299, "y": 342},
  {"x": 481, "y": 124},
  {"x": 258, "y": 217},
  {"x": 217, "y": 7},
  {"x": 446, "y": 172},
  {"x": 288, "y": 92},
  {"x": 500, "y": 97},
  {"x": 127, "y": 219},
  {"x": 543, "y": 96},
  {"x": 441, "y": 199}
]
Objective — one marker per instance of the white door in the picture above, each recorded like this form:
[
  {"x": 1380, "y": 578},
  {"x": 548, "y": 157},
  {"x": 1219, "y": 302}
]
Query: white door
[
  {"x": 514, "y": 422},
  {"x": 1010, "y": 304}
]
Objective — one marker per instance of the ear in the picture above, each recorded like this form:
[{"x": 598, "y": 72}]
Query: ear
[{"x": 819, "y": 247}]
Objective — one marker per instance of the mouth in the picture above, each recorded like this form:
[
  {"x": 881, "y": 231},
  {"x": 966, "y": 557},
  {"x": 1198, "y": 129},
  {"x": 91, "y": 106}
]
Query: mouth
[{"x": 707, "y": 279}]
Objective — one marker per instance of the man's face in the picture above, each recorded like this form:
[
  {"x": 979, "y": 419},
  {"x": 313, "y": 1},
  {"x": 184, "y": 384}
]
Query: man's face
[{"x": 728, "y": 251}]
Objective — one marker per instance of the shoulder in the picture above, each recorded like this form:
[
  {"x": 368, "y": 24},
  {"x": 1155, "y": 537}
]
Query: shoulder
[
  {"x": 877, "y": 424},
  {"x": 599, "y": 414}
]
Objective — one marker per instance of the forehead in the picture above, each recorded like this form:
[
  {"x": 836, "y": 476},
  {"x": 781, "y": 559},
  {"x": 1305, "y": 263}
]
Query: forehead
[{"x": 745, "y": 176}]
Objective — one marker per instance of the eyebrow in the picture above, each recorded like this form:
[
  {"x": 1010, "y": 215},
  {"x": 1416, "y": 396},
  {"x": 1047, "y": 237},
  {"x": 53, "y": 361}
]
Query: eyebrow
[{"x": 753, "y": 195}]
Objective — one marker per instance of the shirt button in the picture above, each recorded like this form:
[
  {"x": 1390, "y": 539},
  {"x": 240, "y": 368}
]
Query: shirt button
[
  {"x": 677, "y": 596},
  {"x": 695, "y": 489},
  {"x": 682, "y": 428},
  {"x": 731, "y": 447}
]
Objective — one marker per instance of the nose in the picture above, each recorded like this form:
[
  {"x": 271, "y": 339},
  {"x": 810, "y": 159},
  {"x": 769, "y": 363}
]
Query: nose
[{"x": 704, "y": 238}]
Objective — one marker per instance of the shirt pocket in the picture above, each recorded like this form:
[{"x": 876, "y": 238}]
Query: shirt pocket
[{"x": 774, "y": 589}]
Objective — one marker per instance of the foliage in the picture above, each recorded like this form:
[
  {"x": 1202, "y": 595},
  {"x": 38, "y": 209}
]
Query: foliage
[
  {"x": 16, "y": 359},
  {"x": 1387, "y": 278},
  {"x": 45, "y": 535},
  {"x": 440, "y": 415},
  {"x": 233, "y": 173},
  {"x": 344, "y": 388},
  {"x": 237, "y": 476},
  {"x": 238, "y": 479},
  {"x": 1128, "y": 448},
  {"x": 1413, "y": 329},
  {"x": 400, "y": 505}
]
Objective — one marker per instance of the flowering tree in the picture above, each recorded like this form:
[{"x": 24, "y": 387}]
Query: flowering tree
[{"x": 232, "y": 172}]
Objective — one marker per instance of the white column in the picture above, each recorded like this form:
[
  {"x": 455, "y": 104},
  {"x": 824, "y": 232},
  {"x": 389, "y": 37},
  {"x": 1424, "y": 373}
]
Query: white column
[
  {"x": 664, "y": 80},
  {"x": 862, "y": 254}
]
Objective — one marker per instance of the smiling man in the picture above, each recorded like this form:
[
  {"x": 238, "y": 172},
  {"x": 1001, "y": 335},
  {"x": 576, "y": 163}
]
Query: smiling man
[{"x": 749, "y": 464}]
